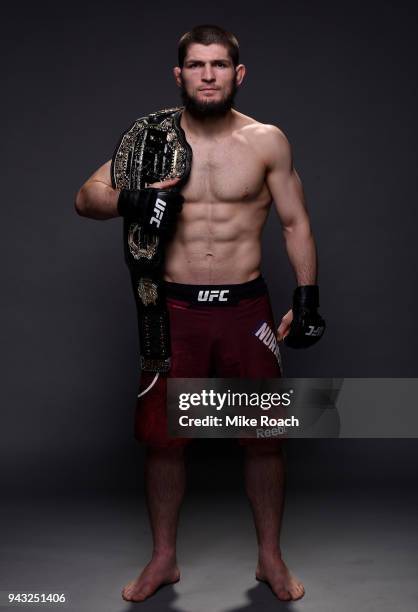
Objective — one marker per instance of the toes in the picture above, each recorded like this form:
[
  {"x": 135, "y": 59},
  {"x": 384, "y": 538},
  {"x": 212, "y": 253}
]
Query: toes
[
  {"x": 141, "y": 597},
  {"x": 284, "y": 595},
  {"x": 146, "y": 591},
  {"x": 126, "y": 592},
  {"x": 297, "y": 591},
  {"x": 130, "y": 594}
]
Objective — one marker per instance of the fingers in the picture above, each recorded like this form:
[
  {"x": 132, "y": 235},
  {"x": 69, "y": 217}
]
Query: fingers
[
  {"x": 282, "y": 331},
  {"x": 284, "y": 327},
  {"x": 165, "y": 184}
]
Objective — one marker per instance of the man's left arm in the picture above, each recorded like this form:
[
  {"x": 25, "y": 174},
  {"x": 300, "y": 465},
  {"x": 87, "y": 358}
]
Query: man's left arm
[{"x": 287, "y": 192}]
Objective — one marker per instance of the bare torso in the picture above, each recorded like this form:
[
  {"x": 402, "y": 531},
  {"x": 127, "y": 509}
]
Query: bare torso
[{"x": 218, "y": 236}]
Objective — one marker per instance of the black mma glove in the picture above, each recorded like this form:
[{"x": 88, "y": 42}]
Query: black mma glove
[
  {"x": 307, "y": 326},
  {"x": 155, "y": 210}
]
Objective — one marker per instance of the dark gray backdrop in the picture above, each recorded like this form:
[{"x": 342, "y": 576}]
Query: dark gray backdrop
[{"x": 339, "y": 79}]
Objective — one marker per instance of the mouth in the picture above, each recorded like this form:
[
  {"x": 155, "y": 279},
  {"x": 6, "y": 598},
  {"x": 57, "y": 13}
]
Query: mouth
[{"x": 209, "y": 89}]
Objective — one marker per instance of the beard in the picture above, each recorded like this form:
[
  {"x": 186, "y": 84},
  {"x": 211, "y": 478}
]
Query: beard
[{"x": 203, "y": 109}]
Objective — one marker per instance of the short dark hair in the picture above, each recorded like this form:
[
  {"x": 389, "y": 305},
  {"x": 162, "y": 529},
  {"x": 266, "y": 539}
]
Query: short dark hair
[{"x": 208, "y": 35}]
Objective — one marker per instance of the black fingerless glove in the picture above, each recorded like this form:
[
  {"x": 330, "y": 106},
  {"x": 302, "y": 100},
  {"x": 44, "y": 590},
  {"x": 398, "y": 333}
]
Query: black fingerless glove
[
  {"x": 156, "y": 210},
  {"x": 307, "y": 326}
]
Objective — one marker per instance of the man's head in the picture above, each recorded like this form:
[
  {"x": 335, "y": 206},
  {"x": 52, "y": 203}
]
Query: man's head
[{"x": 209, "y": 72}]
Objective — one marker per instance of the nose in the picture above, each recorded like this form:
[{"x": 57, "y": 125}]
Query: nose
[{"x": 208, "y": 74}]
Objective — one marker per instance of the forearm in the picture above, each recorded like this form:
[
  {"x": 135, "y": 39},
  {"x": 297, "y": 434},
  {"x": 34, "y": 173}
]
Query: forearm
[
  {"x": 97, "y": 200},
  {"x": 301, "y": 250}
]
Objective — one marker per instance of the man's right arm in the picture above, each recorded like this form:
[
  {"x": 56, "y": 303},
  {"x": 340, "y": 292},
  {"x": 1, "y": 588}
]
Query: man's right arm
[{"x": 97, "y": 199}]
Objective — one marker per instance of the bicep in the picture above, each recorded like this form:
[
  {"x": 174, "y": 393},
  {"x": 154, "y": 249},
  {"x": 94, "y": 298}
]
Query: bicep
[
  {"x": 283, "y": 181},
  {"x": 102, "y": 175}
]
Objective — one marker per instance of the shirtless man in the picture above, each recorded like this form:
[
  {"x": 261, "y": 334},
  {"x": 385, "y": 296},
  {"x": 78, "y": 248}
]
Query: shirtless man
[{"x": 239, "y": 167}]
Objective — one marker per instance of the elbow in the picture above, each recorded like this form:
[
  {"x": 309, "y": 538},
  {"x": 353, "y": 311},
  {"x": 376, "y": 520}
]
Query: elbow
[
  {"x": 80, "y": 203},
  {"x": 297, "y": 229}
]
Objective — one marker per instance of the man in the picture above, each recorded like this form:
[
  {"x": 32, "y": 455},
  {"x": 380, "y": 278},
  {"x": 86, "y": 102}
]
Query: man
[{"x": 239, "y": 166}]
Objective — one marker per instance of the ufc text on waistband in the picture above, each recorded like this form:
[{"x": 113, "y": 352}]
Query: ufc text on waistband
[{"x": 215, "y": 295}]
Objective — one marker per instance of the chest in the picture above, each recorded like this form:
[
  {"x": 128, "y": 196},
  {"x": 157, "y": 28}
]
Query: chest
[{"x": 227, "y": 171}]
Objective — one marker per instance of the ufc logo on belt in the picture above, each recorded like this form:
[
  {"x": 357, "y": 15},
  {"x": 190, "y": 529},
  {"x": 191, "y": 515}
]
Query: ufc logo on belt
[
  {"x": 159, "y": 209},
  {"x": 209, "y": 295}
]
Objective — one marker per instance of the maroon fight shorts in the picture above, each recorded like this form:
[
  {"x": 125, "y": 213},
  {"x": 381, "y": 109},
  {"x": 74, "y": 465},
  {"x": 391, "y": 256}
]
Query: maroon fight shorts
[{"x": 222, "y": 331}]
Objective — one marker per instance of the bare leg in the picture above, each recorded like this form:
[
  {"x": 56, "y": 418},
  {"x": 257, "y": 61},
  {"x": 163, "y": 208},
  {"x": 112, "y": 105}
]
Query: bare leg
[
  {"x": 264, "y": 480},
  {"x": 165, "y": 484}
]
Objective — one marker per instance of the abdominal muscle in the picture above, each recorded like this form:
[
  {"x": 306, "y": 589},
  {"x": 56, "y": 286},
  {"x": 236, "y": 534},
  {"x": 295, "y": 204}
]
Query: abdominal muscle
[{"x": 216, "y": 243}]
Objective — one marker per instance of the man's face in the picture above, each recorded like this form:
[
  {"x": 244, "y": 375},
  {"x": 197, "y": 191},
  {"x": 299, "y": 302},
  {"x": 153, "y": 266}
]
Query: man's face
[{"x": 208, "y": 80}]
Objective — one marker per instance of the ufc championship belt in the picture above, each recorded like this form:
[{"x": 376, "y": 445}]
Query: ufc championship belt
[{"x": 153, "y": 149}]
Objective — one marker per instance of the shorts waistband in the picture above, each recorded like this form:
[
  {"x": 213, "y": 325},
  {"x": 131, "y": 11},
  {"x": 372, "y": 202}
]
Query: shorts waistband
[{"x": 216, "y": 295}]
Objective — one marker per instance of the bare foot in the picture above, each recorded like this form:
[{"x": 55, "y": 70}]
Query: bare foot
[
  {"x": 158, "y": 572},
  {"x": 274, "y": 572}
]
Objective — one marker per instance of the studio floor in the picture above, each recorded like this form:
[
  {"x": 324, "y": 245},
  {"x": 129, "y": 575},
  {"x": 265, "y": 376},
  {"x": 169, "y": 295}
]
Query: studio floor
[{"x": 353, "y": 549}]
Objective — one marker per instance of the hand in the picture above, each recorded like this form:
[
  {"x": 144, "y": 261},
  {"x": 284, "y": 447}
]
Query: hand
[
  {"x": 284, "y": 327},
  {"x": 167, "y": 184},
  {"x": 307, "y": 326},
  {"x": 155, "y": 208}
]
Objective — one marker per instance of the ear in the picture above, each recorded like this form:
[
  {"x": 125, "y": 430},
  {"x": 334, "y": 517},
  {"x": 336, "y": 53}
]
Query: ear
[
  {"x": 240, "y": 72},
  {"x": 177, "y": 75}
]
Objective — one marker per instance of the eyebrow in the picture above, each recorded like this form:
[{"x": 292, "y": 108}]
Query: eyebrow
[{"x": 223, "y": 59}]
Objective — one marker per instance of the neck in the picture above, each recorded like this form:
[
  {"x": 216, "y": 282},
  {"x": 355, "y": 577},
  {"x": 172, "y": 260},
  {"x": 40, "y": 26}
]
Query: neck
[{"x": 207, "y": 126}]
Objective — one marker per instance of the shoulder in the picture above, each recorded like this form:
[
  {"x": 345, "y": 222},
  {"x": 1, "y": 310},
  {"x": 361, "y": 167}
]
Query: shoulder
[{"x": 269, "y": 140}]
